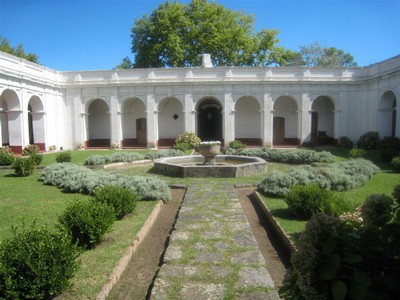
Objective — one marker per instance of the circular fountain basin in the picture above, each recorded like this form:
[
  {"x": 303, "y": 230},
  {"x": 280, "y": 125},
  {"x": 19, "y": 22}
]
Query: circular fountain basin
[{"x": 225, "y": 166}]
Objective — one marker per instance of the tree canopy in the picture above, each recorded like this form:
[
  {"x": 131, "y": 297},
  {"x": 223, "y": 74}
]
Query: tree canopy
[
  {"x": 314, "y": 55},
  {"x": 17, "y": 51},
  {"x": 176, "y": 34}
]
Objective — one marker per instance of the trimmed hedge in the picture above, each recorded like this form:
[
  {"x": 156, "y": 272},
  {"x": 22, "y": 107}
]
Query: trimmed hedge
[
  {"x": 36, "y": 264},
  {"x": 79, "y": 179},
  {"x": 86, "y": 222},
  {"x": 288, "y": 156},
  {"x": 341, "y": 176},
  {"x": 23, "y": 166},
  {"x": 96, "y": 160},
  {"x": 123, "y": 201}
]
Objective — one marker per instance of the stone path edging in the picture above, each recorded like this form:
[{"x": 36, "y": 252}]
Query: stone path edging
[
  {"x": 123, "y": 262},
  {"x": 280, "y": 233}
]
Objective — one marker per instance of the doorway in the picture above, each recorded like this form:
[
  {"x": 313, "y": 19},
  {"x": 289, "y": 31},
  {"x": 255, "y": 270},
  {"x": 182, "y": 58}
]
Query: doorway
[{"x": 209, "y": 121}]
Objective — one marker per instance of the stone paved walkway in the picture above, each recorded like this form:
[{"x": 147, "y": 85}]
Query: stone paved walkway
[{"x": 212, "y": 253}]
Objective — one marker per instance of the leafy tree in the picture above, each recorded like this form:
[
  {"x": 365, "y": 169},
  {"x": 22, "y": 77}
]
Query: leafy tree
[
  {"x": 314, "y": 55},
  {"x": 175, "y": 35},
  {"x": 17, "y": 51},
  {"x": 126, "y": 63}
]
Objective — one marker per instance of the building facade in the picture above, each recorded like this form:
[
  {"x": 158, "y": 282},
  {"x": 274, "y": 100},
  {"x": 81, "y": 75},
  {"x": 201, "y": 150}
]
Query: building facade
[{"x": 266, "y": 106}]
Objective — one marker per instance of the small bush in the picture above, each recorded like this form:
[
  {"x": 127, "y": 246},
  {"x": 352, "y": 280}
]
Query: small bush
[
  {"x": 6, "y": 149},
  {"x": 357, "y": 153},
  {"x": 307, "y": 144},
  {"x": 306, "y": 200},
  {"x": 396, "y": 163},
  {"x": 64, "y": 157},
  {"x": 389, "y": 143},
  {"x": 182, "y": 146},
  {"x": 237, "y": 145},
  {"x": 87, "y": 222},
  {"x": 36, "y": 264},
  {"x": 369, "y": 140},
  {"x": 376, "y": 210},
  {"x": 190, "y": 138},
  {"x": 396, "y": 193},
  {"x": 123, "y": 201},
  {"x": 6, "y": 159},
  {"x": 345, "y": 142},
  {"x": 388, "y": 154},
  {"x": 30, "y": 149},
  {"x": 23, "y": 166},
  {"x": 37, "y": 158}
]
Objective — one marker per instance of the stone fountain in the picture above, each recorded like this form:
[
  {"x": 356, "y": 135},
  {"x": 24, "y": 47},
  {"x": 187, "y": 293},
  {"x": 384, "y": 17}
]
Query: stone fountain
[{"x": 210, "y": 164}]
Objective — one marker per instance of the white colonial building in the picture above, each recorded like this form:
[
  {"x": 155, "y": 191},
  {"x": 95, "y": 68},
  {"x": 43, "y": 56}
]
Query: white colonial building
[{"x": 151, "y": 107}]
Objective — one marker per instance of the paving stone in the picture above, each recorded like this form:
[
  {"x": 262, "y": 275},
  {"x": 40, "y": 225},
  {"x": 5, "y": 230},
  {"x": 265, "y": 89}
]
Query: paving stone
[
  {"x": 245, "y": 239},
  {"x": 201, "y": 291},
  {"x": 272, "y": 295},
  {"x": 180, "y": 235},
  {"x": 172, "y": 253},
  {"x": 254, "y": 277},
  {"x": 208, "y": 257},
  {"x": 178, "y": 270},
  {"x": 248, "y": 257},
  {"x": 221, "y": 245},
  {"x": 160, "y": 289},
  {"x": 220, "y": 272}
]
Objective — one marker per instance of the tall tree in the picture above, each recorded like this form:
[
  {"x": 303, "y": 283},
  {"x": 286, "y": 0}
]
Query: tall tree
[
  {"x": 17, "y": 51},
  {"x": 314, "y": 55},
  {"x": 175, "y": 35}
]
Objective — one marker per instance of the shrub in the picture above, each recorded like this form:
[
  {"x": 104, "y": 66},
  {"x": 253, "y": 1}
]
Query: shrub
[
  {"x": 30, "y": 149},
  {"x": 87, "y": 222},
  {"x": 389, "y": 143},
  {"x": 36, "y": 264},
  {"x": 237, "y": 145},
  {"x": 64, "y": 157},
  {"x": 123, "y": 201},
  {"x": 23, "y": 166},
  {"x": 341, "y": 176},
  {"x": 37, "y": 158},
  {"x": 345, "y": 142},
  {"x": 190, "y": 138},
  {"x": 163, "y": 153},
  {"x": 376, "y": 210},
  {"x": 369, "y": 140},
  {"x": 6, "y": 159},
  {"x": 307, "y": 144},
  {"x": 79, "y": 179},
  {"x": 306, "y": 200},
  {"x": 6, "y": 149},
  {"x": 182, "y": 146},
  {"x": 357, "y": 153},
  {"x": 336, "y": 260},
  {"x": 396, "y": 163},
  {"x": 112, "y": 158},
  {"x": 396, "y": 193},
  {"x": 388, "y": 154}
]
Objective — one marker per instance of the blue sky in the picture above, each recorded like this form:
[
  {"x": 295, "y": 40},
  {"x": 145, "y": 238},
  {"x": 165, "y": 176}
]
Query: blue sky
[{"x": 95, "y": 34}]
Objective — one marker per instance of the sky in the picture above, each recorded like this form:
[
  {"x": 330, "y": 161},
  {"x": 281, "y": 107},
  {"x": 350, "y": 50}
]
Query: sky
[{"x": 75, "y": 35}]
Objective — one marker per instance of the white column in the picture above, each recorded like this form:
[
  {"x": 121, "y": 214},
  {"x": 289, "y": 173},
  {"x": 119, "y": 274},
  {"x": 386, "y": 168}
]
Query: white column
[
  {"x": 1, "y": 129},
  {"x": 15, "y": 132},
  {"x": 267, "y": 121},
  {"x": 151, "y": 119},
  {"x": 228, "y": 117},
  {"x": 189, "y": 114},
  {"x": 305, "y": 119},
  {"x": 114, "y": 120}
]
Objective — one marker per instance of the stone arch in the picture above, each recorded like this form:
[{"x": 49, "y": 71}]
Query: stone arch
[
  {"x": 387, "y": 114},
  {"x": 36, "y": 123},
  {"x": 99, "y": 123},
  {"x": 209, "y": 119},
  {"x": 171, "y": 121},
  {"x": 323, "y": 120},
  {"x": 134, "y": 126},
  {"x": 248, "y": 121},
  {"x": 11, "y": 131},
  {"x": 285, "y": 122}
]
